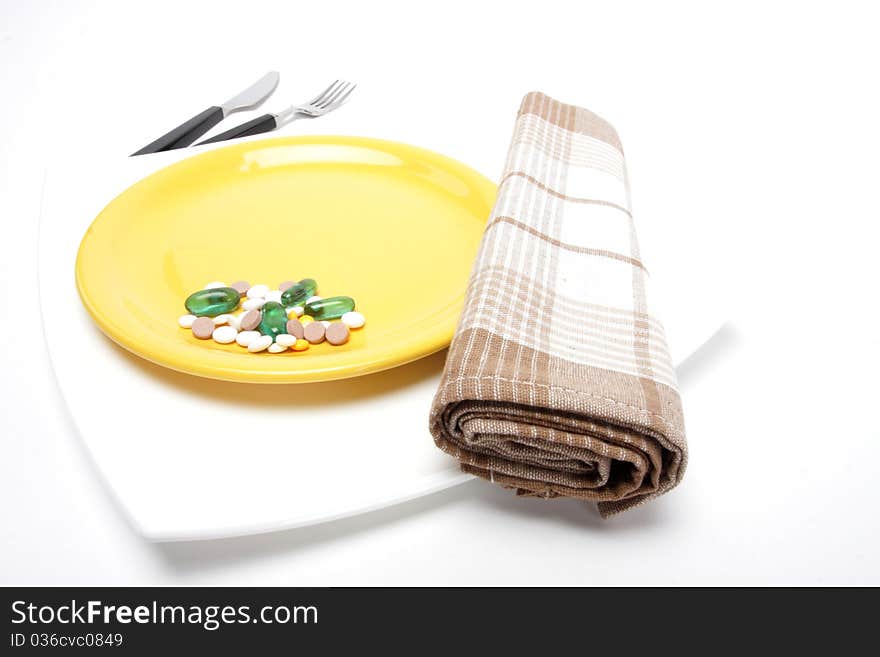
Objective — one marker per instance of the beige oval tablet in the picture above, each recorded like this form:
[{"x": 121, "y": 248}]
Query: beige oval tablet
[
  {"x": 203, "y": 328},
  {"x": 251, "y": 320},
  {"x": 286, "y": 285},
  {"x": 314, "y": 332},
  {"x": 337, "y": 333},
  {"x": 295, "y": 327},
  {"x": 241, "y": 287}
]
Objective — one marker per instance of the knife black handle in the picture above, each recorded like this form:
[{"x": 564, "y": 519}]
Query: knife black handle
[
  {"x": 186, "y": 133},
  {"x": 265, "y": 123}
]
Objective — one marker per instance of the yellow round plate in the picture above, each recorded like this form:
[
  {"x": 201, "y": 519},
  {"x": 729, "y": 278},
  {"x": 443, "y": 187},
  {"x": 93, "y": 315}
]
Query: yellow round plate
[{"x": 394, "y": 226}]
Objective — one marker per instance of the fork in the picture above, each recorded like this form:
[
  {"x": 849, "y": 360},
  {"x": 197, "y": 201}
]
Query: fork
[{"x": 328, "y": 100}]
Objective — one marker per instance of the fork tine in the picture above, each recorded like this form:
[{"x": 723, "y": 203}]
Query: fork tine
[
  {"x": 329, "y": 97},
  {"x": 341, "y": 99},
  {"x": 322, "y": 94},
  {"x": 332, "y": 98}
]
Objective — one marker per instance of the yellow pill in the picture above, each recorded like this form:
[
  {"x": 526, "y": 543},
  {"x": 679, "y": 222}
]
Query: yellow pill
[
  {"x": 300, "y": 345},
  {"x": 306, "y": 319}
]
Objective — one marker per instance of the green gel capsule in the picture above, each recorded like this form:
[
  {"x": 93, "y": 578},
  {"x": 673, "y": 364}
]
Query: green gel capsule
[
  {"x": 274, "y": 320},
  {"x": 329, "y": 308},
  {"x": 213, "y": 302},
  {"x": 296, "y": 295}
]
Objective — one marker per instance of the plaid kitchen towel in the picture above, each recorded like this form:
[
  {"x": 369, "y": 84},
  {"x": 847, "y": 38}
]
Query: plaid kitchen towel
[{"x": 558, "y": 381}]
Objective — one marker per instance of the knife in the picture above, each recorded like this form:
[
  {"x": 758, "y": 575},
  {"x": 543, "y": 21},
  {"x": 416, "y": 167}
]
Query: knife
[{"x": 186, "y": 133}]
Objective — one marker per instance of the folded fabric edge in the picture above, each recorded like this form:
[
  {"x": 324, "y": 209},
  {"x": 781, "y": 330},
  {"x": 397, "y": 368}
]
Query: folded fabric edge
[
  {"x": 530, "y": 480},
  {"x": 557, "y": 390},
  {"x": 570, "y": 117}
]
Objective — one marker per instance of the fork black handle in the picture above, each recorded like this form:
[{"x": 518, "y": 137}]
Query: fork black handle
[
  {"x": 265, "y": 123},
  {"x": 186, "y": 133}
]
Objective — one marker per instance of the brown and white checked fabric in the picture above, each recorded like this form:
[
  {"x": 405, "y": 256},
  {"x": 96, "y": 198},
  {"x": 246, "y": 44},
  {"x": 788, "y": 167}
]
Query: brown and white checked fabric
[{"x": 558, "y": 381}]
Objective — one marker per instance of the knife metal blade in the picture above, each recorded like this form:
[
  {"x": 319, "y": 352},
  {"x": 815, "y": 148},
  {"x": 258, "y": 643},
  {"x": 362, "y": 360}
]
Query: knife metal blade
[{"x": 253, "y": 96}]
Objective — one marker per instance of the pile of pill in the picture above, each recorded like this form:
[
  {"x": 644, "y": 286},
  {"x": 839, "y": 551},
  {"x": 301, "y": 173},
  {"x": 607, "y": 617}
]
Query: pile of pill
[{"x": 261, "y": 319}]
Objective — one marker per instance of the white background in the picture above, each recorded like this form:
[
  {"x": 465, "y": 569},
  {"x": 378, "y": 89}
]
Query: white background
[{"x": 752, "y": 138}]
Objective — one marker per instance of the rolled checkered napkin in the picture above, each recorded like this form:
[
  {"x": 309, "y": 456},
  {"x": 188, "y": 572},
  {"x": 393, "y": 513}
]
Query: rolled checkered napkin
[{"x": 558, "y": 381}]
